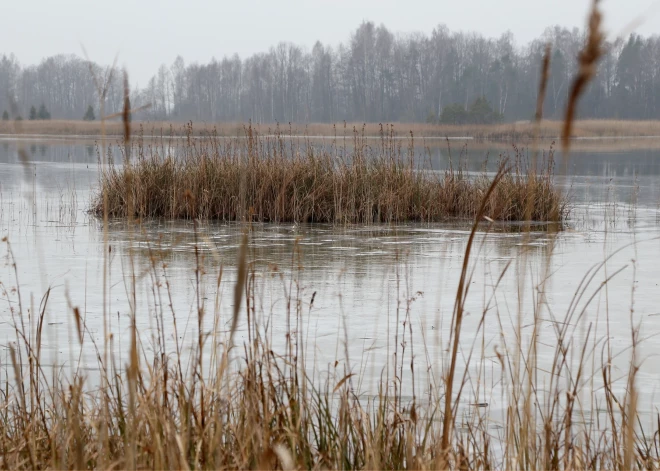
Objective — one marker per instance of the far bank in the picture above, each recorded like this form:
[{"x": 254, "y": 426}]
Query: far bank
[{"x": 519, "y": 132}]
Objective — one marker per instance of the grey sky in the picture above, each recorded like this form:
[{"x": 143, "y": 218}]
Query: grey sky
[{"x": 146, "y": 33}]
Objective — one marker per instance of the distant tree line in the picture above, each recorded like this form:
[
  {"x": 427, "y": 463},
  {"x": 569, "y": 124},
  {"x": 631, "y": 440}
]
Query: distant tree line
[
  {"x": 62, "y": 84},
  {"x": 374, "y": 76}
]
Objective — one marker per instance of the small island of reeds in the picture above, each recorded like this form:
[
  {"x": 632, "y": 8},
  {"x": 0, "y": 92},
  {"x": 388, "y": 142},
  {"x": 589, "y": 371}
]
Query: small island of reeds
[{"x": 275, "y": 178}]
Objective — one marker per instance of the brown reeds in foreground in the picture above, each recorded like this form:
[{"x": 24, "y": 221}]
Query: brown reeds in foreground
[
  {"x": 588, "y": 62},
  {"x": 175, "y": 407},
  {"x": 274, "y": 179}
]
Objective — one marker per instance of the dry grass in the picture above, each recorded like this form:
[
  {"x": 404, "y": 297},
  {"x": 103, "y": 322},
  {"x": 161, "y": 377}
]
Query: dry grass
[
  {"x": 513, "y": 132},
  {"x": 588, "y": 63},
  {"x": 522, "y": 131},
  {"x": 491, "y": 149},
  {"x": 173, "y": 409},
  {"x": 168, "y": 409},
  {"x": 279, "y": 180},
  {"x": 518, "y": 132}
]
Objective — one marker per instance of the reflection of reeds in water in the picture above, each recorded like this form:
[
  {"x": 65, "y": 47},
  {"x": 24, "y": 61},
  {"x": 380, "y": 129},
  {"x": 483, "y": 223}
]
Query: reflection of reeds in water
[
  {"x": 272, "y": 179},
  {"x": 167, "y": 408}
]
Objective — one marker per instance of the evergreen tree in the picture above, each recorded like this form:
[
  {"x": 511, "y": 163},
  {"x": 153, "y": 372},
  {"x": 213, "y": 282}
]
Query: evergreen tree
[
  {"x": 43, "y": 112},
  {"x": 89, "y": 115},
  {"x": 5, "y": 116},
  {"x": 481, "y": 112},
  {"x": 453, "y": 114},
  {"x": 33, "y": 113}
]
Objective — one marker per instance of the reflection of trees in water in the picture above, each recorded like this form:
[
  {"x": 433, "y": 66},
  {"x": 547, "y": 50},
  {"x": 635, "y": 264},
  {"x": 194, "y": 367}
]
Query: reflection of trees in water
[
  {"x": 479, "y": 156},
  {"x": 472, "y": 156},
  {"x": 583, "y": 163},
  {"x": 56, "y": 152}
]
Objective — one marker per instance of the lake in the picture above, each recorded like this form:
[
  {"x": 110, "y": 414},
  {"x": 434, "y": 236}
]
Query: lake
[{"x": 375, "y": 289}]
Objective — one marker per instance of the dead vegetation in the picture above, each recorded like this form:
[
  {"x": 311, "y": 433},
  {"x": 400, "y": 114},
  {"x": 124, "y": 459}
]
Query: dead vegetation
[
  {"x": 519, "y": 132},
  {"x": 281, "y": 180},
  {"x": 182, "y": 409},
  {"x": 169, "y": 409}
]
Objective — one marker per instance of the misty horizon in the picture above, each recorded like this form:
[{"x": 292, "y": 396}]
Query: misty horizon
[
  {"x": 375, "y": 74},
  {"x": 83, "y": 51},
  {"x": 145, "y": 34}
]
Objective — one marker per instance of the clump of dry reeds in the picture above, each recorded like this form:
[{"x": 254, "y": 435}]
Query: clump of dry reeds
[{"x": 276, "y": 179}]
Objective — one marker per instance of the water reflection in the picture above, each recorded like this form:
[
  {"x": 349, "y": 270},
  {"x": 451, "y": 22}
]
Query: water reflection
[
  {"x": 598, "y": 159},
  {"x": 365, "y": 278}
]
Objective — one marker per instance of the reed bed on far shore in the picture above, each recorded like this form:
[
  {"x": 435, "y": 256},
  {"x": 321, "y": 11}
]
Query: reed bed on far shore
[
  {"x": 519, "y": 131},
  {"x": 278, "y": 179}
]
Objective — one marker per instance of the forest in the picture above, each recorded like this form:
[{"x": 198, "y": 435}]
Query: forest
[{"x": 376, "y": 75}]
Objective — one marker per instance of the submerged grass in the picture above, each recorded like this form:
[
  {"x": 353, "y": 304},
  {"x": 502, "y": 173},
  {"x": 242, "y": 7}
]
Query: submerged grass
[{"x": 284, "y": 180}]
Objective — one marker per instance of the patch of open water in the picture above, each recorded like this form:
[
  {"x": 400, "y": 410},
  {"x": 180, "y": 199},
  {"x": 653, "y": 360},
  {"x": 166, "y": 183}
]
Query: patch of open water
[{"x": 367, "y": 282}]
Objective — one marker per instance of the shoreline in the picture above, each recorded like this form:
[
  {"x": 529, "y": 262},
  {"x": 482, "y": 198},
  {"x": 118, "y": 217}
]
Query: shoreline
[
  {"x": 517, "y": 131},
  {"x": 578, "y": 144},
  {"x": 26, "y": 136}
]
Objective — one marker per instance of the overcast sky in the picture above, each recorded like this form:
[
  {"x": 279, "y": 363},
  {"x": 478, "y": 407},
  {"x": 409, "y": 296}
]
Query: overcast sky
[{"x": 146, "y": 33}]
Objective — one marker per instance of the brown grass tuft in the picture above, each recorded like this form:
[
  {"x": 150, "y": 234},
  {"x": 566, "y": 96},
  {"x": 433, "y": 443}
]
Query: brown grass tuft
[{"x": 275, "y": 179}]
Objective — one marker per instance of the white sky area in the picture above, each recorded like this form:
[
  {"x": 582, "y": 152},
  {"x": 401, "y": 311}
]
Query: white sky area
[{"x": 143, "y": 34}]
